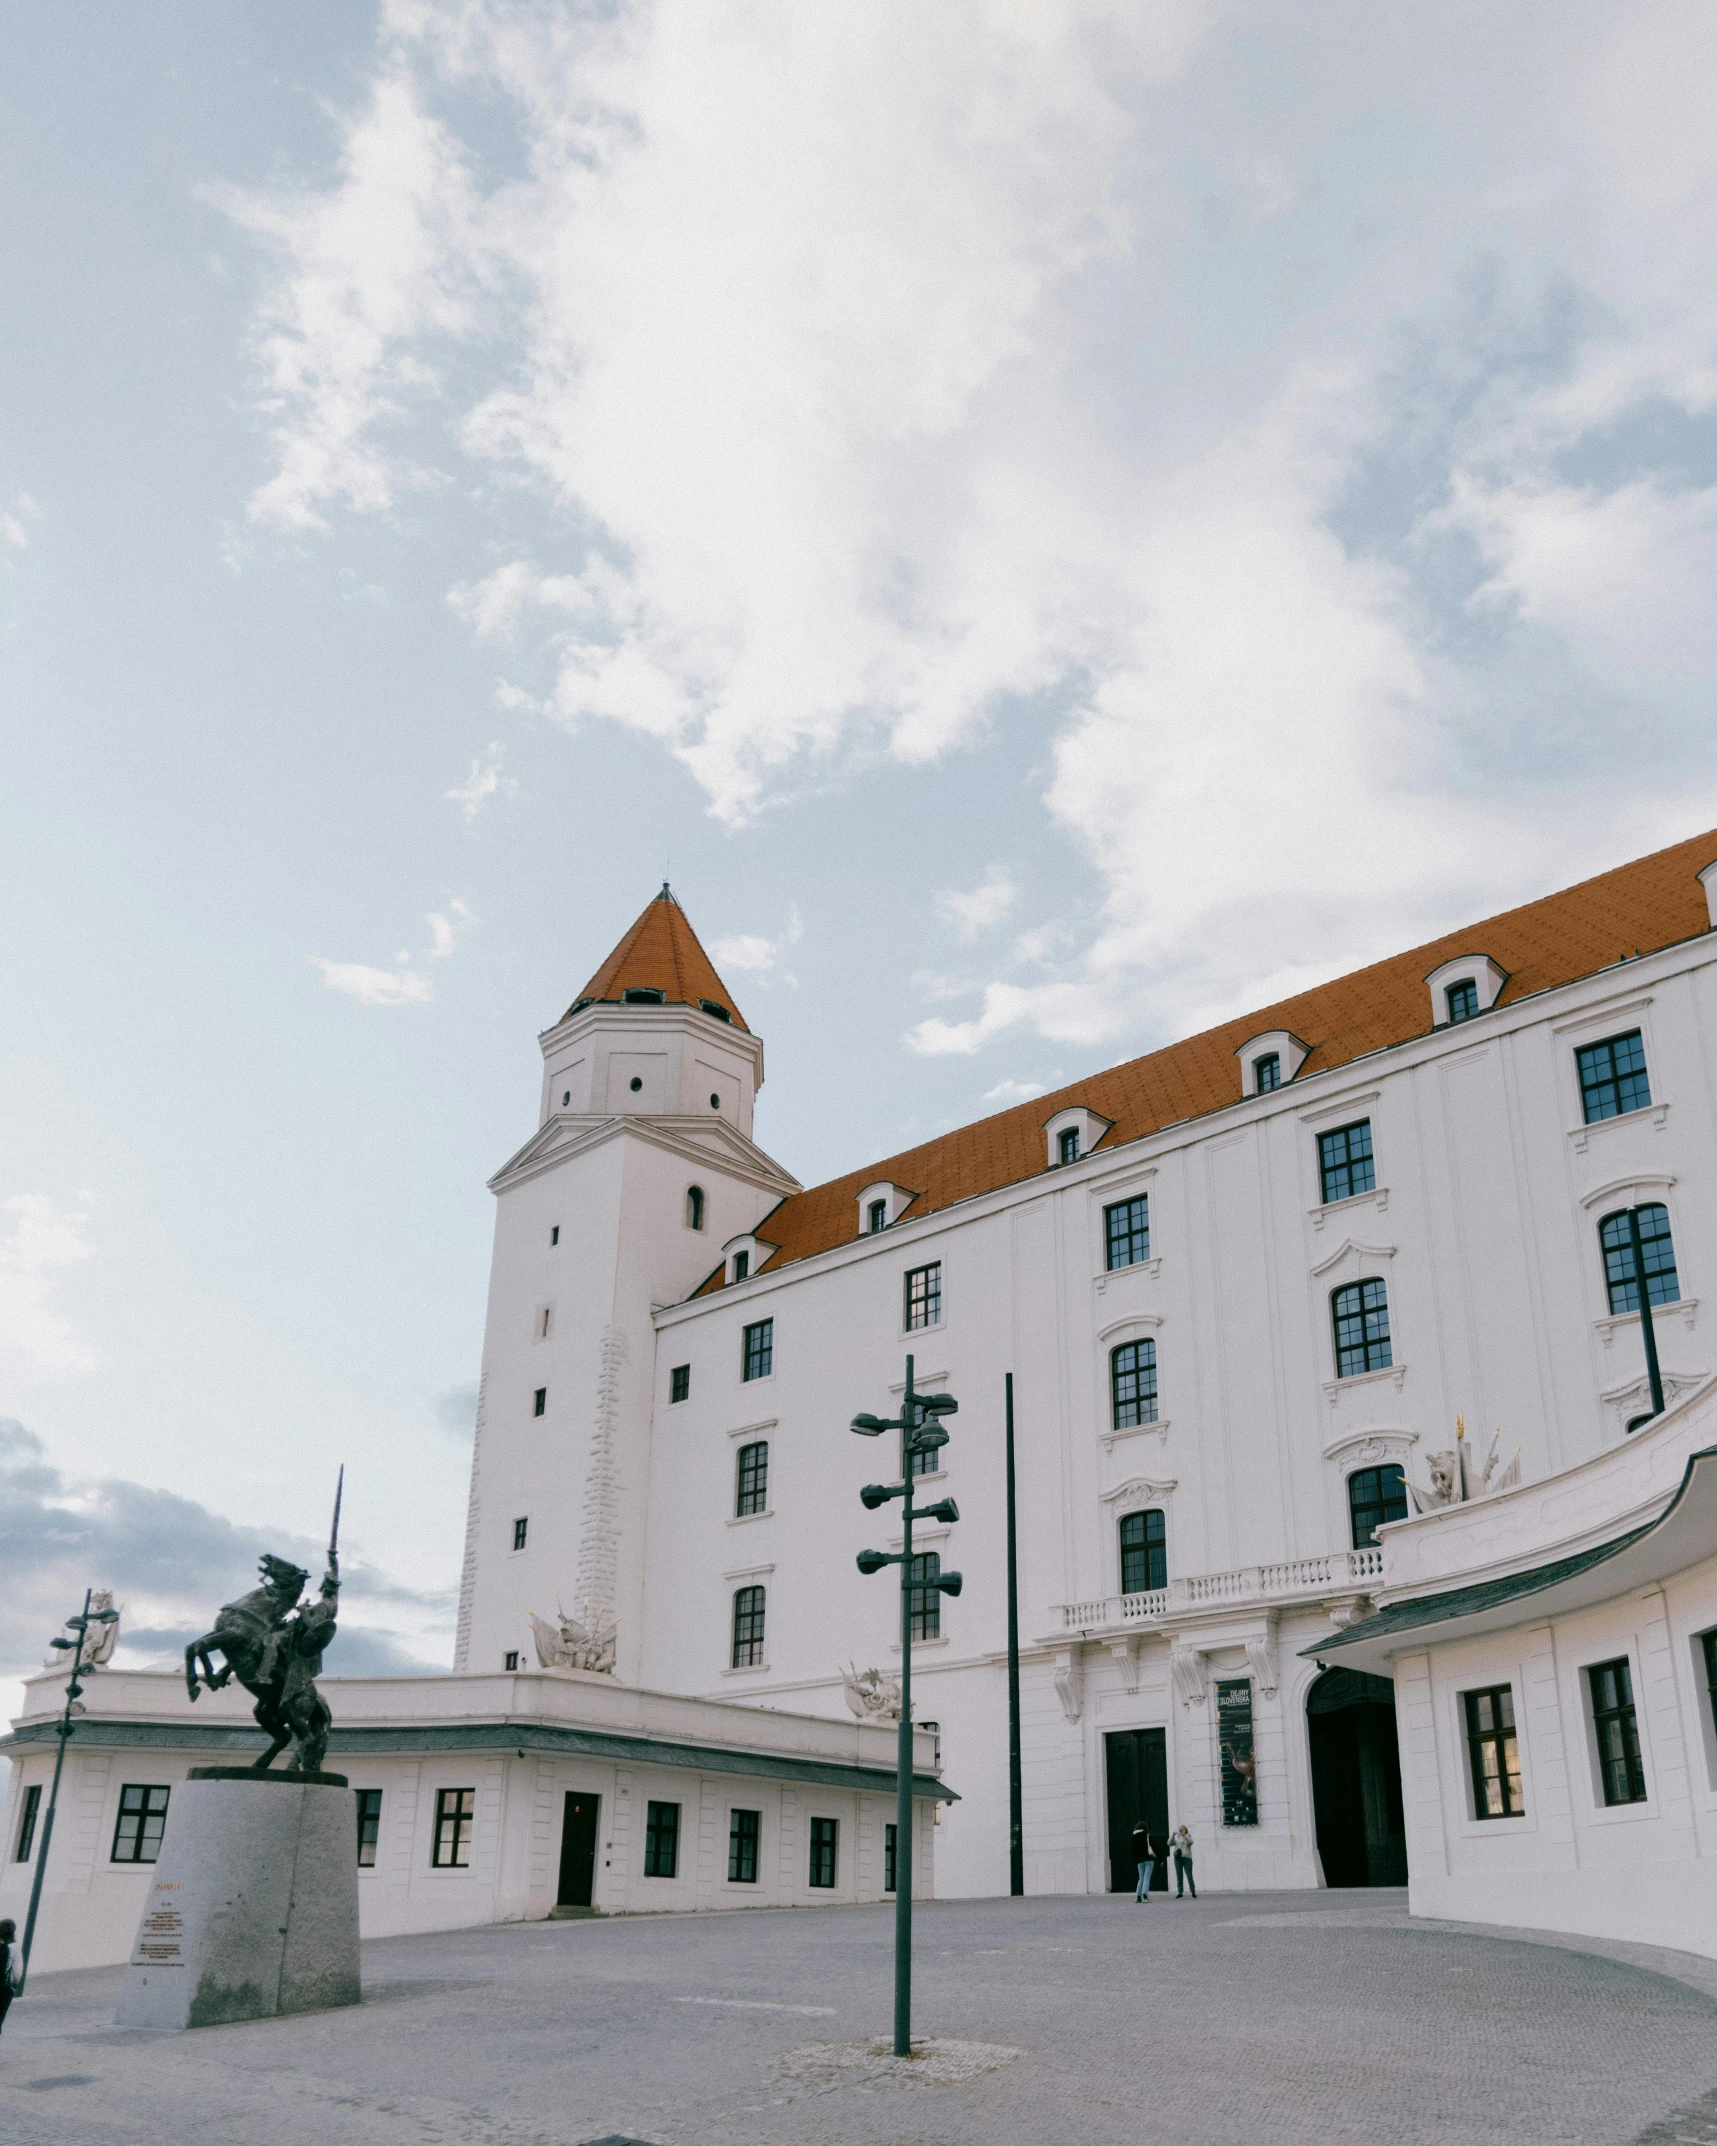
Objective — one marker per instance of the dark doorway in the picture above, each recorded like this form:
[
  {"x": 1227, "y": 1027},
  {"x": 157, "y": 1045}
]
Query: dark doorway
[
  {"x": 1136, "y": 1762},
  {"x": 1356, "y": 1779},
  {"x": 577, "y": 1850}
]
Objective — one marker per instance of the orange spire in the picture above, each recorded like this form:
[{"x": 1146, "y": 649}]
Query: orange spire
[{"x": 660, "y": 953}]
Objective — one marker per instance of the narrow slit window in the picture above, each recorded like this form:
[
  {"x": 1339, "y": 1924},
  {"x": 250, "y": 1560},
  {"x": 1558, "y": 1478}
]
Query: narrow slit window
[
  {"x": 742, "y": 1266},
  {"x": 926, "y": 1599},
  {"x": 33, "y": 1803},
  {"x": 878, "y": 1216},
  {"x": 1144, "y": 1553},
  {"x": 510, "y": 1661},
  {"x": 521, "y": 1532},
  {"x": 1495, "y": 1753},
  {"x": 825, "y": 1839},
  {"x": 1133, "y": 1384},
  {"x": 890, "y": 1837},
  {"x": 680, "y": 1383},
  {"x": 743, "y": 1831},
  {"x": 369, "y": 1801},
  {"x": 539, "y": 1404},
  {"x": 694, "y": 1207},
  {"x": 753, "y": 1479}
]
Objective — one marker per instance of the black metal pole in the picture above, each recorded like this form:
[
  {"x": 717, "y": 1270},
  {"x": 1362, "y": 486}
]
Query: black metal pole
[
  {"x": 1016, "y": 1799},
  {"x": 1647, "y": 1329},
  {"x": 65, "y": 1729},
  {"x": 903, "y": 1759}
]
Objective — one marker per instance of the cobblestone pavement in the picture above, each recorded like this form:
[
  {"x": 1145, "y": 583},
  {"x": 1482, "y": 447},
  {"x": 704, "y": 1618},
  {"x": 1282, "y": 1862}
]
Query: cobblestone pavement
[{"x": 1239, "y": 2020}]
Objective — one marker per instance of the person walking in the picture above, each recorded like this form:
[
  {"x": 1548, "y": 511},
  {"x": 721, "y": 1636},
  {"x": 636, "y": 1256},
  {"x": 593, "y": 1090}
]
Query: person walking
[
  {"x": 1147, "y": 1853},
  {"x": 1180, "y": 1844},
  {"x": 9, "y": 1972}
]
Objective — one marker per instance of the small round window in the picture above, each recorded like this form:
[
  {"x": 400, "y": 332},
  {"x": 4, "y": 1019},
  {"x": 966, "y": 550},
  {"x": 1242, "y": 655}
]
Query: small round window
[
  {"x": 636, "y": 1084},
  {"x": 715, "y": 1102}
]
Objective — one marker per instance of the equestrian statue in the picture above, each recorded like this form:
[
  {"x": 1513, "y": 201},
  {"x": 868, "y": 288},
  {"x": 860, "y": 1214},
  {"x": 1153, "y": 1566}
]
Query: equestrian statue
[{"x": 273, "y": 1642}]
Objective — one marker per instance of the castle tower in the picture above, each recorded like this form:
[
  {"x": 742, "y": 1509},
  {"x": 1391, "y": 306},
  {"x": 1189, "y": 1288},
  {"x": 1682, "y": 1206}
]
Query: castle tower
[{"x": 641, "y": 1168}]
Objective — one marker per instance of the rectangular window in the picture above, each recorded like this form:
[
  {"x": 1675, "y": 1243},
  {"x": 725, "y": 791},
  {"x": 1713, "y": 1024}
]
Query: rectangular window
[
  {"x": 539, "y": 1407},
  {"x": 1133, "y": 1384},
  {"x": 521, "y": 1529},
  {"x": 1067, "y": 1144},
  {"x": 889, "y": 1837},
  {"x": 369, "y": 1826},
  {"x": 742, "y": 1266},
  {"x": 554, "y": 1234},
  {"x": 753, "y": 1479},
  {"x": 878, "y": 1216},
  {"x": 142, "y": 1821},
  {"x": 1345, "y": 1161},
  {"x": 1707, "y": 1642},
  {"x": 757, "y": 1354},
  {"x": 1374, "y": 1496},
  {"x": 33, "y": 1803},
  {"x": 825, "y": 1833},
  {"x": 1657, "y": 1253},
  {"x": 455, "y": 1816},
  {"x": 1127, "y": 1232},
  {"x": 1267, "y": 1072},
  {"x": 510, "y": 1660},
  {"x": 743, "y": 1831},
  {"x": 1144, "y": 1553},
  {"x": 1361, "y": 1315},
  {"x": 1495, "y": 1753},
  {"x": 1463, "y": 1000},
  {"x": 680, "y": 1383},
  {"x": 924, "y": 1296},
  {"x": 662, "y": 1840},
  {"x": 1613, "y": 1077},
  {"x": 1620, "y": 1767},
  {"x": 926, "y": 1601},
  {"x": 748, "y": 1628}
]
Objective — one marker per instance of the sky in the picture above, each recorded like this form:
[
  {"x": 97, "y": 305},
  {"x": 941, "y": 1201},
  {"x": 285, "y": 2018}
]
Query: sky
[{"x": 1051, "y": 523}]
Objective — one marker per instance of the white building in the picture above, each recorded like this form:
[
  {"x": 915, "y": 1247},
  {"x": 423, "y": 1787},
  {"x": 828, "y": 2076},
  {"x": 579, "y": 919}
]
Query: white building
[{"x": 1242, "y": 1284}]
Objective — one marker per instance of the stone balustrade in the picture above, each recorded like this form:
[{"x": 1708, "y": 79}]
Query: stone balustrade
[{"x": 1299, "y": 1579}]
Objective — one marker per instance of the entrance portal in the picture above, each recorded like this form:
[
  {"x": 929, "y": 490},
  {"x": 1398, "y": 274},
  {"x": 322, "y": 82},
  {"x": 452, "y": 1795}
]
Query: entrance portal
[
  {"x": 1356, "y": 1779},
  {"x": 1136, "y": 1763},
  {"x": 577, "y": 1851}
]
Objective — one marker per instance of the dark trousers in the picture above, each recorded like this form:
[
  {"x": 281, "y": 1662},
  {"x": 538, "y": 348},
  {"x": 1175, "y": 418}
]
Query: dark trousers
[
  {"x": 1183, "y": 1873},
  {"x": 5, "y": 2005}
]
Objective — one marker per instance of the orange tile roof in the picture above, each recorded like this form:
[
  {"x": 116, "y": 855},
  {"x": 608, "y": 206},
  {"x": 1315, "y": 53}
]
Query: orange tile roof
[
  {"x": 1651, "y": 903},
  {"x": 660, "y": 953}
]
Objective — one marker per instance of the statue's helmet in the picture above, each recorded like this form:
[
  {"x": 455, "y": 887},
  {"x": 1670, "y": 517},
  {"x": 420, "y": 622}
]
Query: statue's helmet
[{"x": 282, "y": 1575}]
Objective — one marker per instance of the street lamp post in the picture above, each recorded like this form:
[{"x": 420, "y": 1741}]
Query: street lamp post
[
  {"x": 922, "y": 1435},
  {"x": 74, "y": 1691}
]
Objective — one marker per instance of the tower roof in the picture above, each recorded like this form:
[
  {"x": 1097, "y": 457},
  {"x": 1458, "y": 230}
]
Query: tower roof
[{"x": 661, "y": 953}]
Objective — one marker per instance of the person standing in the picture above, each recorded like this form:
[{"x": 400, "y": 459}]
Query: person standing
[
  {"x": 1180, "y": 1844},
  {"x": 9, "y": 1974},
  {"x": 1147, "y": 1853}
]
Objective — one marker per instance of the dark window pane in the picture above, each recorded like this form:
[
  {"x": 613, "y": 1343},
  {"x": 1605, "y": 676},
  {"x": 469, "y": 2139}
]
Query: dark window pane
[
  {"x": 1657, "y": 1249},
  {"x": 743, "y": 1828},
  {"x": 1127, "y": 1232},
  {"x": 521, "y": 1532},
  {"x": 662, "y": 1840},
  {"x": 1345, "y": 1161},
  {"x": 1613, "y": 1077},
  {"x": 889, "y": 1837},
  {"x": 927, "y": 1602},
  {"x": 1463, "y": 1000},
  {"x": 455, "y": 1816},
  {"x": 878, "y": 1215},
  {"x": 1266, "y": 1072},
  {"x": 1620, "y": 1767},
  {"x": 825, "y": 1832},
  {"x": 694, "y": 1206},
  {"x": 1067, "y": 1144},
  {"x": 742, "y": 1266},
  {"x": 1494, "y": 1752},
  {"x": 1361, "y": 1315},
  {"x": 1133, "y": 1384},
  {"x": 748, "y": 1628},
  {"x": 27, "y": 1823},
  {"x": 1144, "y": 1553},
  {"x": 753, "y": 1478},
  {"x": 369, "y": 1802},
  {"x": 540, "y": 1404},
  {"x": 142, "y": 1820},
  {"x": 680, "y": 1383},
  {"x": 758, "y": 1354},
  {"x": 924, "y": 1296},
  {"x": 1375, "y": 1495}
]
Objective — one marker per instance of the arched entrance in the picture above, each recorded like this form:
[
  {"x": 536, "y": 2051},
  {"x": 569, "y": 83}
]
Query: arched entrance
[{"x": 1356, "y": 1779}]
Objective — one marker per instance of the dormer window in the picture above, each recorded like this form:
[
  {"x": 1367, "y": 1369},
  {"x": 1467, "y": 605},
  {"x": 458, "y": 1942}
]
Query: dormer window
[
  {"x": 1067, "y": 1144},
  {"x": 881, "y": 1204},
  {"x": 741, "y": 1266},
  {"x": 1464, "y": 988},
  {"x": 1266, "y": 1072},
  {"x": 1072, "y": 1134},
  {"x": 877, "y": 1215},
  {"x": 1463, "y": 999},
  {"x": 1270, "y": 1061},
  {"x": 641, "y": 995},
  {"x": 715, "y": 1012}
]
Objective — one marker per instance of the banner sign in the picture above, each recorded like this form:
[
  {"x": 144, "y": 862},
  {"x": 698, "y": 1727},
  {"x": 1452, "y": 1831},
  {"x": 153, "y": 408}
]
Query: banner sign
[{"x": 1239, "y": 1760}]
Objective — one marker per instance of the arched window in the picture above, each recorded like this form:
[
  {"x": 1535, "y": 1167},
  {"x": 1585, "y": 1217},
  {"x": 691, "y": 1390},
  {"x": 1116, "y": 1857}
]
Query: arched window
[
  {"x": 1463, "y": 1000},
  {"x": 878, "y": 1215},
  {"x": 1267, "y": 1072},
  {"x": 753, "y": 1479},
  {"x": 748, "y": 1628},
  {"x": 1361, "y": 1315},
  {"x": 1133, "y": 1383},
  {"x": 1657, "y": 1248},
  {"x": 1375, "y": 1495},
  {"x": 694, "y": 1207},
  {"x": 1144, "y": 1553}
]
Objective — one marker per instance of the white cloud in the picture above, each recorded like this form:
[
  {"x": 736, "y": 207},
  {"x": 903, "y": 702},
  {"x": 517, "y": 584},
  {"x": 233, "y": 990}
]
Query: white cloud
[
  {"x": 484, "y": 782},
  {"x": 407, "y": 983},
  {"x": 976, "y": 911},
  {"x": 750, "y": 954},
  {"x": 42, "y": 1237},
  {"x": 1014, "y": 1091}
]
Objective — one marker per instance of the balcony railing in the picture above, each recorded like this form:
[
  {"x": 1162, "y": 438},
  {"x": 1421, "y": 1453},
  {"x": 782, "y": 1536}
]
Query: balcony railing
[{"x": 1300, "y": 1579}]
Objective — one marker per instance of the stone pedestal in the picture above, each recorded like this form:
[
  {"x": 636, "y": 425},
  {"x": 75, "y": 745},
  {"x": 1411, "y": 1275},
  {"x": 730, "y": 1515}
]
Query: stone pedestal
[{"x": 254, "y": 1908}]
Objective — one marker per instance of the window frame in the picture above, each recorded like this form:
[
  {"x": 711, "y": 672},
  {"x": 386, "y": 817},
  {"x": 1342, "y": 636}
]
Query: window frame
[
  {"x": 369, "y": 1817},
  {"x": 141, "y": 1814},
  {"x": 1331, "y": 1166},
  {"x": 455, "y": 1823},
  {"x": 890, "y": 1855},
  {"x": 757, "y": 1488},
  {"x": 1129, "y": 1235},
  {"x": 1380, "y": 1504},
  {"x": 1151, "y": 1549},
  {"x": 824, "y": 1843},
  {"x": 1272, "y": 1062},
  {"x": 521, "y": 1531},
  {"x": 742, "y": 1265},
  {"x": 679, "y": 1384},
  {"x": 1066, "y": 1146},
  {"x": 1615, "y": 1256},
  {"x": 1369, "y": 1343},
  {"x": 661, "y": 1839},
  {"x": 1493, "y": 1742},
  {"x": 757, "y": 1351},
  {"x": 876, "y": 1216},
  {"x": 1142, "y": 1371},
  {"x": 741, "y": 1839},
  {"x": 1594, "y": 1087},
  {"x": 29, "y": 1811},
  {"x": 926, "y": 1605},
  {"x": 928, "y": 1312},
  {"x": 696, "y": 1207},
  {"x": 748, "y": 1625},
  {"x": 1624, "y": 1714}
]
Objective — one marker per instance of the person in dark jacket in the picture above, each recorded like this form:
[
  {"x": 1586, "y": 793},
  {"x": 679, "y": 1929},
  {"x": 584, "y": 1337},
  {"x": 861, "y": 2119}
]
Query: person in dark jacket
[
  {"x": 9, "y": 1969},
  {"x": 1147, "y": 1853}
]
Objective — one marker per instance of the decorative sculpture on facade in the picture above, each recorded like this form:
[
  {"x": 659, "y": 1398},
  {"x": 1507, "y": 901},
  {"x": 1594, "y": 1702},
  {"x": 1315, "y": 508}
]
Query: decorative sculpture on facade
[
  {"x": 1458, "y": 1477},
  {"x": 273, "y": 1643},
  {"x": 568, "y": 1644},
  {"x": 1186, "y": 1667},
  {"x": 872, "y": 1694},
  {"x": 99, "y": 1640}
]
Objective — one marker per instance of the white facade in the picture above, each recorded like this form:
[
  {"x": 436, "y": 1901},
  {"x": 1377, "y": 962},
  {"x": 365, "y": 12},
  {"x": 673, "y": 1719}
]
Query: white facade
[
  {"x": 1481, "y": 1224},
  {"x": 522, "y": 1745}
]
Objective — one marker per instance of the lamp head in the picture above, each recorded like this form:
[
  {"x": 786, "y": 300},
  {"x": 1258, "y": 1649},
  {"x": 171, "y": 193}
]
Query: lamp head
[
  {"x": 870, "y": 1561},
  {"x": 873, "y": 1495},
  {"x": 67, "y": 1644},
  {"x": 868, "y": 1426},
  {"x": 949, "y": 1583},
  {"x": 938, "y": 1404},
  {"x": 944, "y": 1509},
  {"x": 105, "y": 1616},
  {"x": 929, "y": 1440}
]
